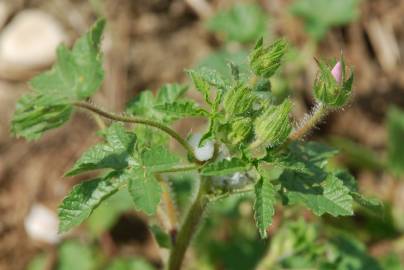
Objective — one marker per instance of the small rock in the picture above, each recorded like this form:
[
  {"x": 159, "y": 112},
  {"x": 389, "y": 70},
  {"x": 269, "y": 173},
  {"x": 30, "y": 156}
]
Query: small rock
[
  {"x": 204, "y": 152},
  {"x": 41, "y": 224},
  {"x": 28, "y": 43}
]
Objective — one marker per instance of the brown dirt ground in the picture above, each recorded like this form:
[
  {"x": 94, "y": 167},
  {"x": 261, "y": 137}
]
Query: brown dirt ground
[{"x": 151, "y": 43}]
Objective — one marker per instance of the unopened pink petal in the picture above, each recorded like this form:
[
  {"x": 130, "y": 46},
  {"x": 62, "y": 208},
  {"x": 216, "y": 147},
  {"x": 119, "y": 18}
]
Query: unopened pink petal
[{"x": 337, "y": 72}]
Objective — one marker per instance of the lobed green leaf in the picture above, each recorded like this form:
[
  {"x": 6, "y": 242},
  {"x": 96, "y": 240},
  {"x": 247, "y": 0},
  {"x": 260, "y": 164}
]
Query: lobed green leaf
[
  {"x": 144, "y": 189},
  {"x": 114, "y": 154},
  {"x": 84, "y": 198}
]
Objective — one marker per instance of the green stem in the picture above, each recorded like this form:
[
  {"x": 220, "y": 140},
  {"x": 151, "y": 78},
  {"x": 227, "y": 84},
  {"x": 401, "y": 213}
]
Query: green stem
[
  {"x": 188, "y": 228},
  {"x": 319, "y": 112},
  {"x": 183, "y": 168},
  {"x": 138, "y": 120}
]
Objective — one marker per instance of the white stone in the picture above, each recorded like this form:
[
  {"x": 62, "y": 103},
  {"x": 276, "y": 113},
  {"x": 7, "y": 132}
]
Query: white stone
[
  {"x": 41, "y": 224},
  {"x": 30, "y": 40},
  {"x": 204, "y": 152}
]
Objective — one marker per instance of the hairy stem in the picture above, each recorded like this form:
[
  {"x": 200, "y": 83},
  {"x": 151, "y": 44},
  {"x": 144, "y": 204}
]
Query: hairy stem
[
  {"x": 138, "y": 120},
  {"x": 188, "y": 228},
  {"x": 318, "y": 113},
  {"x": 169, "y": 203}
]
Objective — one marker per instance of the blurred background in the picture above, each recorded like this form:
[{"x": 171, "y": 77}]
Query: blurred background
[{"x": 150, "y": 43}]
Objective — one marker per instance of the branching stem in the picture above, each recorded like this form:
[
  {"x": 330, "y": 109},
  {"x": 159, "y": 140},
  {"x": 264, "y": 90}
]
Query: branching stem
[{"x": 138, "y": 120}]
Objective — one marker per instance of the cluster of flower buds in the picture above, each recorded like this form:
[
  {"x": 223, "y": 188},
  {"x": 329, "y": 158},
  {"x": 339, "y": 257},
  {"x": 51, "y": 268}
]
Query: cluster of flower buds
[
  {"x": 331, "y": 86},
  {"x": 265, "y": 61}
]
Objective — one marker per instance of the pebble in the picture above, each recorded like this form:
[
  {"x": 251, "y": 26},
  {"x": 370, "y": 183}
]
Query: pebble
[
  {"x": 41, "y": 224},
  {"x": 28, "y": 43}
]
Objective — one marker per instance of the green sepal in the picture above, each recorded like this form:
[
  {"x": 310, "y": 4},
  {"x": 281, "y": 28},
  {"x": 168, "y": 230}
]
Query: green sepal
[
  {"x": 273, "y": 126},
  {"x": 237, "y": 101},
  {"x": 240, "y": 129},
  {"x": 265, "y": 61}
]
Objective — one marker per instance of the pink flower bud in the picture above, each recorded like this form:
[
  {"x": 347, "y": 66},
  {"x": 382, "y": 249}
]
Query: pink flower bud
[{"x": 337, "y": 72}]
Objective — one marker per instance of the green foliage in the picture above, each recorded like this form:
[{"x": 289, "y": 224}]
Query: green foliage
[
  {"x": 225, "y": 167},
  {"x": 273, "y": 126},
  {"x": 265, "y": 199},
  {"x": 237, "y": 101},
  {"x": 84, "y": 198},
  {"x": 144, "y": 189},
  {"x": 265, "y": 61},
  {"x": 395, "y": 125},
  {"x": 73, "y": 255},
  {"x": 146, "y": 104},
  {"x": 76, "y": 75},
  {"x": 105, "y": 216},
  {"x": 328, "y": 196},
  {"x": 114, "y": 154},
  {"x": 178, "y": 110},
  {"x": 242, "y": 23},
  {"x": 299, "y": 245},
  {"x": 320, "y": 15}
]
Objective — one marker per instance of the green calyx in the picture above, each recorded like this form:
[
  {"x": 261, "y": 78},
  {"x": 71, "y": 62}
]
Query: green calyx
[
  {"x": 328, "y": 90},
  {"x": 238, "y": 101},
  {"x": 265, "y": 61},
  {"x": 240, "y": 130},
  {"x": 273, "y": 126}
]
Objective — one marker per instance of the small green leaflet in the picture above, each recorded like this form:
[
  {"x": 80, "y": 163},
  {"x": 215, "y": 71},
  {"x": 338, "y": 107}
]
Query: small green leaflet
[
  {"x": 146, "y": 104},
  {"x": 372, "y": 204},
  {"x": 264, "y": 210},
  {"x": 114, "y": 154},
  {"x": 31, "y": 121},
  {"x": 328, "y": 196},
  {"x": 225, "y": 167},
  {"x": 169, "y": 93},
  {"x": 144, "y": 189},
  {"x": 143, "y": 186},
  {"x": 84, "y": 198},
  {"x": 76, "y": 75},
  {"x": 158, "y": 159},
  {"x": 243, "y": 22},
  {"x": 395, "y": 125},
  {"x": 181, "y": 109},
  {"x": 204, "y": 79}
]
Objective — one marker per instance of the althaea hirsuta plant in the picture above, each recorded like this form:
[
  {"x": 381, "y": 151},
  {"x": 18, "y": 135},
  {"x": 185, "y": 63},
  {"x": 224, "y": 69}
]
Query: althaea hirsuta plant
[{"x": 251, "y": 143}]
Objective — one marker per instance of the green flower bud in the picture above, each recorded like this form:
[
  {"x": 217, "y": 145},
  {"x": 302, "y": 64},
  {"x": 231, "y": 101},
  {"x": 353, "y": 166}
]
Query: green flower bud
[
  {"x": 273, "y": 126},
  {"x": 265, "y": 61},
  {"x": 240, "y": 129},
  {"x": 331, "y": 86},
  {"x": 237, "y": 101}
]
